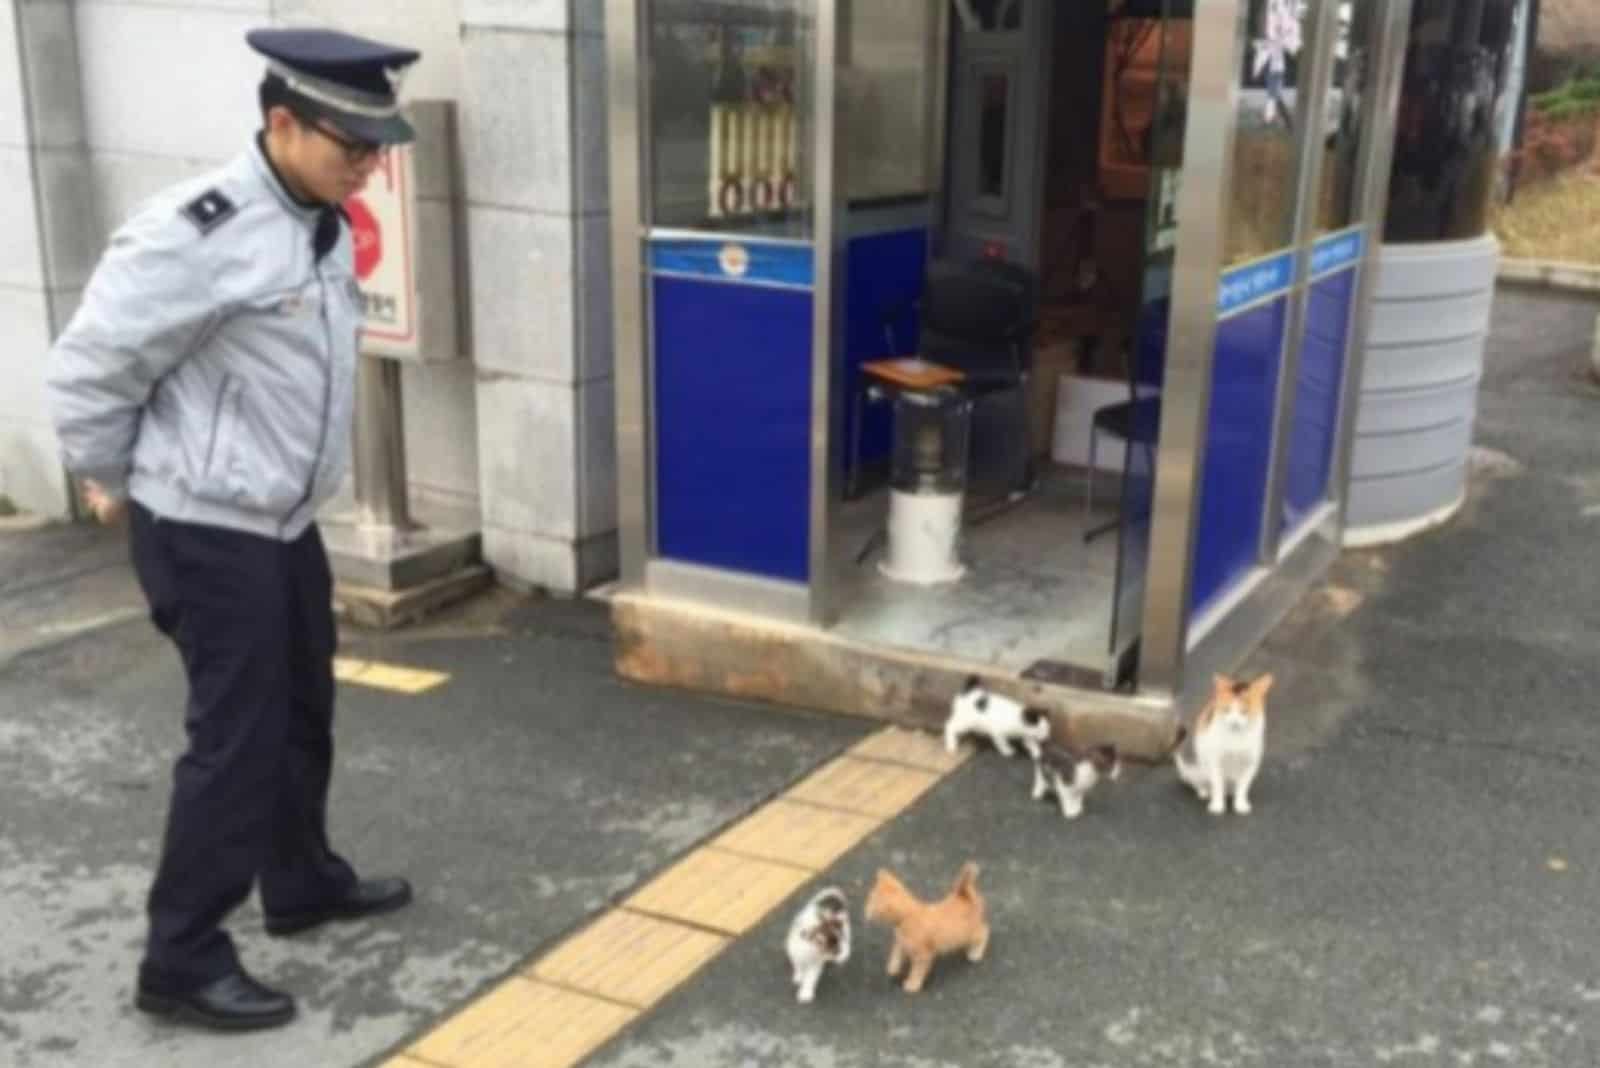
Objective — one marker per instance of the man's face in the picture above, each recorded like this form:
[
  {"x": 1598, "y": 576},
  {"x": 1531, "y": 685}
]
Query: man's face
[{"x": 325, "y": 162}]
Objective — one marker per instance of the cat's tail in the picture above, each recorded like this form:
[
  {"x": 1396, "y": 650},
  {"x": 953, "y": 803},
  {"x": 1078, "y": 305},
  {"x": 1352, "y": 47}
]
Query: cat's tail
[
  {"x": 1188, "y": 770},
  {"x": 966, "y": 885}
]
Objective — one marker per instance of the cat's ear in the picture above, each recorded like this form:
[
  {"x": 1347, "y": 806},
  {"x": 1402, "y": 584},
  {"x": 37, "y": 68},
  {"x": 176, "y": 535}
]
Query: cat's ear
[
  {"x": 1222, "y": 686},
  {"x": 970, "y": 685},
  {"x": 1258, "y": 689}
]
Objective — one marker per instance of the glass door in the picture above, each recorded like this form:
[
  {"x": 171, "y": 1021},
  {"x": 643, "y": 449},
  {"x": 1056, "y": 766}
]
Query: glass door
[
  {"x": 731, "y": 286},
  {"x": 1148, "y": 61}
]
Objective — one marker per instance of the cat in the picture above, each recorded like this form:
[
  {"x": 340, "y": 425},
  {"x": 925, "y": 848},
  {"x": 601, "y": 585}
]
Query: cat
[
  {"x": 1229, "y": 739},
  {"x": 818, "y": 936},
  {"x": 1001, "y": 719},
  {"x": 924, "y": 931},
  {"x": 1071, "y": 775}
]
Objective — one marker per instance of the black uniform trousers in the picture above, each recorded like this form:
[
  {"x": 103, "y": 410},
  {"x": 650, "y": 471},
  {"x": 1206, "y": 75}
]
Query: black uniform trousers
[{"x": 252, "y": 619}]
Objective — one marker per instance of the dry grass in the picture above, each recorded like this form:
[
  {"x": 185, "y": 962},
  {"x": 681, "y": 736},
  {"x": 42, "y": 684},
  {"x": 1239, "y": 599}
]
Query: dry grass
[
  {"x": 1554, "y": 220},
  {"x": 1570, "y": 24}
]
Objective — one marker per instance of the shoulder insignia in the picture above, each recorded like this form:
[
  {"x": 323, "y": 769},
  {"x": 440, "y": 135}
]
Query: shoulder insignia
[{"x": 209, "y": 210}]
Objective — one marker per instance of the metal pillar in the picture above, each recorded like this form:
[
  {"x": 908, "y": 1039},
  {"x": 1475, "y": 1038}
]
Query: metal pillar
[{"x": 380, "y": 449}]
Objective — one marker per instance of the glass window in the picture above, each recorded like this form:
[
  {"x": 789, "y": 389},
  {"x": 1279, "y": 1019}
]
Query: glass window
[
  {"x": 1261, "y": 216},
  {"x": 1451, "y": 96},
  {"x": 1336, "y": 192},
  {"x": 887, "y": 92},
  {"x": 729, "y": 93},
  {"x": 993, "y": 112}
]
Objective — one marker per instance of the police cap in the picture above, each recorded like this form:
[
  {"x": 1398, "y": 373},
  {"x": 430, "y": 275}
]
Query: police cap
[{"x": 352, "y": 81}]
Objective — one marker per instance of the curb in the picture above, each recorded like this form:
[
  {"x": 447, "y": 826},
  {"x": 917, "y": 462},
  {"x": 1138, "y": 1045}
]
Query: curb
[
  {"x": 24, "y": 522},
  {"x": 1552, "y": 274}
]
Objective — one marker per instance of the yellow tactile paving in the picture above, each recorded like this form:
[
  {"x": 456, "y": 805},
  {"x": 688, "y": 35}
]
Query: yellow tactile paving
[
  {"x": 721, "y": 891},
  {"x": 345, "y": 669},
  {"x": 916, "y": 748},
  {"x": 794, "y": 833},
  {"x": 591, "y": 986},
  {"x": 630, "y": 958},
  {"x": 387, "y": 676},
  {"x": 524, "y": 1024},
  {"x": 868, "y": 787}
]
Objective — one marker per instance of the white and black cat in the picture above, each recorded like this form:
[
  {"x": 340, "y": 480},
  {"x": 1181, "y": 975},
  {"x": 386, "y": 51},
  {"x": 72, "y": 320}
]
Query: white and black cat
[
  {"x": 818, "y": 936},
  {"x": 1071, "y": 775},
  {"x": 1001, "y": 719}
]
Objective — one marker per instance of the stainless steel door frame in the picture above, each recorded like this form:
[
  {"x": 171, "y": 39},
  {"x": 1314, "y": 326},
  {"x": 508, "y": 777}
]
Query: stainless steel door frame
[
  {"x": 1203, "y": 205},
  {"x": 1311, "y": 97},
  {"x": 830, "y": 239},
  {"x": 1391, "y": 30},
  {"x": 626, "y": 121}
]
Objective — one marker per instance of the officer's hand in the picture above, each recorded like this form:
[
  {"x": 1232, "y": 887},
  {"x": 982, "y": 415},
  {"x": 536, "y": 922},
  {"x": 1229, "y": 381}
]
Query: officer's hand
[{"x": 107, "y": 509}]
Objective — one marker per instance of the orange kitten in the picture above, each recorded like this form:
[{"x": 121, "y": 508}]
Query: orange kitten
[{"x": 924, "y": 931}]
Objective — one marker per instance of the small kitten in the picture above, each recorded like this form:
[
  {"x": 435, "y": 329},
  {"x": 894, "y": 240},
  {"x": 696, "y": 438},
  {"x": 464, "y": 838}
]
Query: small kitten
[
  {"x": 1229, "y": 739},
  {"x": 924, "y": 931},
  {"x": 1072, "y": 775},
  {"x": 999, "y": 718},
  {"x": 818, "y": 936}
]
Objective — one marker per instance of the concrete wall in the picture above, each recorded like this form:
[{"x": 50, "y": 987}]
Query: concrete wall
[
  {"x": 47, "y": 234},
  {"x": 520, "y": 432},
  {"x": 533, "y": 134},
  {"x": 146, "y": 131},
  {"x": 440, "y": 398}
]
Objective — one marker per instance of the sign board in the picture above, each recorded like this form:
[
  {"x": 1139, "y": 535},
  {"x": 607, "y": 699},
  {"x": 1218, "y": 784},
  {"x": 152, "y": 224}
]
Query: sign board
[{"x": 383, "y": 225}]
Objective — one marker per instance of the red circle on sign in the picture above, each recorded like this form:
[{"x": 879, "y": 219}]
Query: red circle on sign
[{"x": 365, "y": 234}]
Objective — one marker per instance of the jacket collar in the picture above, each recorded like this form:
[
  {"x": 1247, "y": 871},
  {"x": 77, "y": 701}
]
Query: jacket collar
[{"x": 305, "y": 210}]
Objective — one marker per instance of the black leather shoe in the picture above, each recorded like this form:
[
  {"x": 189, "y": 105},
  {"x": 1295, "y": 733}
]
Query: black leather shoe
[
  {"x": 368, "y": 897},
  {"x": 235, "y": 1002}
]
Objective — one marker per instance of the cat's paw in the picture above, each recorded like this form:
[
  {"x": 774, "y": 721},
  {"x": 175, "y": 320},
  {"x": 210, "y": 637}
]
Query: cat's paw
[
  {"x": 1003, "y": 747},
  {"x": 1242, "y": 806},
  {"x": 805, "y": 997},
  {"x": 1217, "y": 807}
]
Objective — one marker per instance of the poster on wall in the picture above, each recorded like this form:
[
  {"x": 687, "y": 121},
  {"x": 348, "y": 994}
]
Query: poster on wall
[{"x": 382, "y": 225}]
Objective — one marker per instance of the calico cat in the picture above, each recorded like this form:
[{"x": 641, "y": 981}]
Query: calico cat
[
  {"x": 1001, "y": 719},
  {"x": 1229, "y": 739},
  {"x": 818, "y": 936},
  {"x": 924, "y": 931},
  {"x": 1071, "y": 775}
]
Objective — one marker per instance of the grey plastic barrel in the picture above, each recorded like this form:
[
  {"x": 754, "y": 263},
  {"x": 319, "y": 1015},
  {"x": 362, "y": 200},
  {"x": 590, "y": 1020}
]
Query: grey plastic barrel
[{"x": 1419, "y": 390}]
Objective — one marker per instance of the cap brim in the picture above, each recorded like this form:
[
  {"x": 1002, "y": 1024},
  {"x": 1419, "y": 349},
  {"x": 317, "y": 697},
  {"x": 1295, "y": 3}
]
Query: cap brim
[{"x": 393, "y": 130}]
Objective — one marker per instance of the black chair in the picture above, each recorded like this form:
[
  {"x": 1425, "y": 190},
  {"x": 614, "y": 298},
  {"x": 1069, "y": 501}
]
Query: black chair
[
  {"x": 1137, "y": 420},
  {"x": 979, "y": 317}
]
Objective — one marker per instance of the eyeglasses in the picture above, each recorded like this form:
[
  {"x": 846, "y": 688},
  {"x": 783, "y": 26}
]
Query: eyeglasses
[{"x": 355, "y": 152}]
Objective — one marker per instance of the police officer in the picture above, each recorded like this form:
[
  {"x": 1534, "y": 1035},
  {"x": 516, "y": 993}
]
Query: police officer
[{"x": 203, "y": 392}]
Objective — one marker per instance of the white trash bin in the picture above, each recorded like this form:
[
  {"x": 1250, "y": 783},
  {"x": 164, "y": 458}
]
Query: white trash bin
[{"x": 927, "y": 486}]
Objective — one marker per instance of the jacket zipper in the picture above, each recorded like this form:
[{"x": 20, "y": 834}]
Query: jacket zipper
[{"x": 327, "y": 403}]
